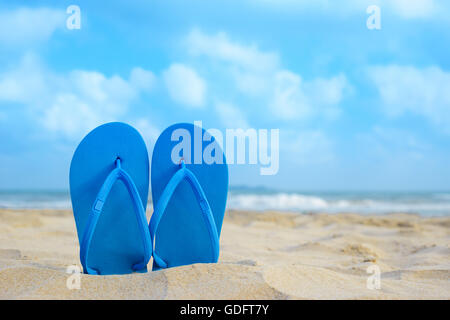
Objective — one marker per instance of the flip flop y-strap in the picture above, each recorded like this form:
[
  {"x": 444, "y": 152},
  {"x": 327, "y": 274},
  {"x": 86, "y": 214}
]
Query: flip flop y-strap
[
  {"x": 184, "y": 173},
  {"x": 117, "y": 174}
]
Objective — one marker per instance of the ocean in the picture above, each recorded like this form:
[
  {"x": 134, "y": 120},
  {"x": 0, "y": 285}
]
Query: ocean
[{"x": 258, "y": 199}]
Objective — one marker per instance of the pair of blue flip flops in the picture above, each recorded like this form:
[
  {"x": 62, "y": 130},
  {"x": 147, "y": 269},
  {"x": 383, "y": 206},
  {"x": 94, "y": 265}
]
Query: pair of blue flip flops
[{"x": 189, "y": 199}]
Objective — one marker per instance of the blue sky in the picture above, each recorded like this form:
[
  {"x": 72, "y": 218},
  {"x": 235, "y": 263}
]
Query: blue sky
[{"x": 357, "y": 109}]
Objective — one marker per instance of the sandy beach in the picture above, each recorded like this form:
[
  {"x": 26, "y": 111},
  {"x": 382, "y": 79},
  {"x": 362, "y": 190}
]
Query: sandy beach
[{"x": 267, "y": 255}]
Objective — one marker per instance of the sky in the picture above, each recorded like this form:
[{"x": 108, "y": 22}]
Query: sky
[{"x": 357, "y": 109}]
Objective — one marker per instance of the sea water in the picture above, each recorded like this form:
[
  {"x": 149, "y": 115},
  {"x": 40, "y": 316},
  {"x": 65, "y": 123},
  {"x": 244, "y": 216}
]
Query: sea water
[{"x": 435, "y": 203}]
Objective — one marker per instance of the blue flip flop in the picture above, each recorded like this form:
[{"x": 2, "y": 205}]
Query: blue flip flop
[
  {"x": 110, "y": 216},
  {"x": 189, "y": 198}
]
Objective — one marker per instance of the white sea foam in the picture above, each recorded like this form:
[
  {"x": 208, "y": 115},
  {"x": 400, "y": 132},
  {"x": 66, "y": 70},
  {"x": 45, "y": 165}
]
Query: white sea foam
[
  {"x": 279, "y": 201},
  {"x": 339, "y": 203}
]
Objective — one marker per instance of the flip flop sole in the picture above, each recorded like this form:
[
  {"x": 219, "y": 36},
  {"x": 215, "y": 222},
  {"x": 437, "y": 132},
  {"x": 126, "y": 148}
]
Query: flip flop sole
[
  {"x": 116, "y": 244},
  {"x": 182, "y": 236}
]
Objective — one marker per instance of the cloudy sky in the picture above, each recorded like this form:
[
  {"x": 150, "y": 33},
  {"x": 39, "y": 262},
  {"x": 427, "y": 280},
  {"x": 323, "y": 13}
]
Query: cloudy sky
[{"x": 357, "y": 109}]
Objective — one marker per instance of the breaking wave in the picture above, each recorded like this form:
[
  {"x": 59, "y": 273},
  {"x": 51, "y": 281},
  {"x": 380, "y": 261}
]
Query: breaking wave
[{"x": 387, "y": 203}]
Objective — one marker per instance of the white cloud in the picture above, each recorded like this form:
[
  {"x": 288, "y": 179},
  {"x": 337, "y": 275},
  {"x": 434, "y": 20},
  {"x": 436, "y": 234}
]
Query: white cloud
[
  {"x": 413, "y": 8},
  {"x": 289, "y": 100},
  {"x": 23, "y": 83},
  {"x": 142, "y": 79},
  {"x": 424, "y": 92},
  {"x": 220, "y": 47},
  {"x": 25, "y": 26},
  {"x": 252, "y": 83},
  {"x": 149, "y": 131},
  {"x": 258, "y": 74},
  {"x": 249, "y": 66},
  {"x": 185, "y": 86},
  {"x": 328, "y": 91},
  {"x": 231, "y": 116},
  {"x": 407, "y": 9},
  {"x": 68, "y": 114},
  {"x": 70, "y": 104},
  {"x": 296, "y": 99}
]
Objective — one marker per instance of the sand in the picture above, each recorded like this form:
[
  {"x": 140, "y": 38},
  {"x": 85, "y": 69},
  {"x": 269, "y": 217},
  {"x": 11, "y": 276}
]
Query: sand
[{"x": 267, "y": 255}]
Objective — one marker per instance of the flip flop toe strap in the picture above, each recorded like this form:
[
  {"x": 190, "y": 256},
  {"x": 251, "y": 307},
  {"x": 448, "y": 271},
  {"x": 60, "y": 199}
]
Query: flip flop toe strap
[
  {"x": 117, "y": 174},
  {"x": 184, "y": 173}
]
